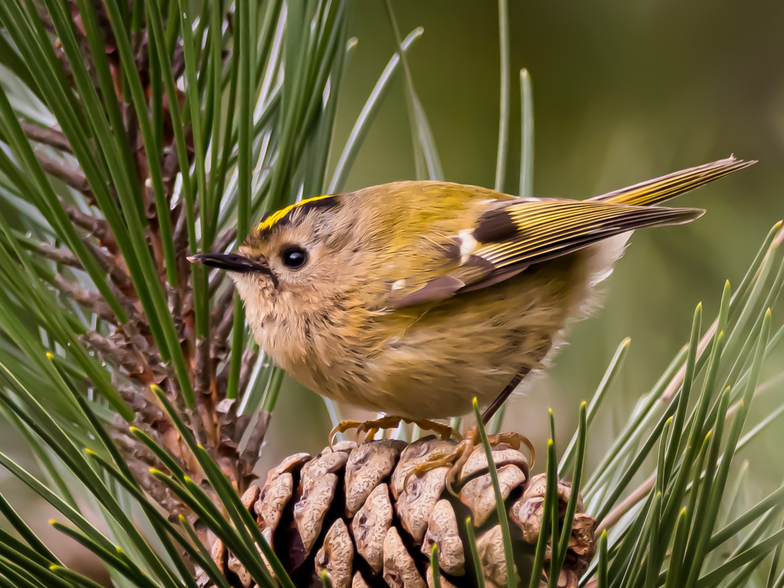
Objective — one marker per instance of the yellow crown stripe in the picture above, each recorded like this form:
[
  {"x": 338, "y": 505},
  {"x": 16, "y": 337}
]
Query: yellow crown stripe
[{"x": 279, "y": 215}]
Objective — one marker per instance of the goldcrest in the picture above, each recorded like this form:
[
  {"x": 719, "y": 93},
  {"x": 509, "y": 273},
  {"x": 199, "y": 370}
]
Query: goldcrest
[{"x": 412, "y": 298}]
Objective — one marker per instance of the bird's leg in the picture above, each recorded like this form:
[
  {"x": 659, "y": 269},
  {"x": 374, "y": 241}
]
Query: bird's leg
[
  {"x": 502, "y": 397},
  {"x": 457, "y": 456},
  {"x": 390, "y": 422}
]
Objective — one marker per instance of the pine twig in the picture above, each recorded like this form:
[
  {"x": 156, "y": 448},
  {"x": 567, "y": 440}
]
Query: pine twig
[
  {"x": 50, "y": 136},
  {"x": 120, "y": 351},
  {"x": 59, "y": 255},
  {"x": 109, "y": 264},
  {"x": 223, "y": 316},
  {"x": 222, "y": 243},
  {"x": 92, "y": 301},
  {"x": 203, "y": 370},
  {"x": 95, "y": 227},
  {"x": 69, "y": 175},
  {"x": 248, "y": 361}
]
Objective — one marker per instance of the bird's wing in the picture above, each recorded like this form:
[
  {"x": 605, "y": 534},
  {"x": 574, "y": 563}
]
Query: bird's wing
[{"x": 514, "y": 234}]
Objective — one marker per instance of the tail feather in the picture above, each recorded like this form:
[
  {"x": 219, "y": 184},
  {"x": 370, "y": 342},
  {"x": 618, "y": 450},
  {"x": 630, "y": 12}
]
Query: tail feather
[{"x": 663, "y": 188}]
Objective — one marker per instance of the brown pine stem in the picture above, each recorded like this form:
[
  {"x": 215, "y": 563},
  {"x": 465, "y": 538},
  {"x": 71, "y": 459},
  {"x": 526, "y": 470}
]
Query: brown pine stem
[
  {"x": 222, "y": 243},
  {"x": 224, "y": 313},
  {"x": 249, "y": 358},
  {"x": 95, "y": 227},
  {"x": 203, "y": 369},
  {"x": 121, "y": 352},
  {"x": 110, "y": 265},
  {"x": 68, "y": 174},
  {"x": 59, "y": 255},
  {"x": 93, "y": 302},
  {"x": 50, "y": 136}
]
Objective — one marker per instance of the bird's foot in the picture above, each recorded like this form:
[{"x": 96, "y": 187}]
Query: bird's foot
[
  {"x": 370, "y": 428},
  {"x": 459, "y": 454}
]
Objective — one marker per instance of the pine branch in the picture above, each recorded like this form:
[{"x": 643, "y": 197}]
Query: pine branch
[
  {"x": 68, "y": 174},
  {"x": 121, "y": 352},
  {"x": 94, "y": 226},
  {"x": 90, "y": 300},
  {"x": 60, "y": 255},
  {"x": 50, "y": 136}
]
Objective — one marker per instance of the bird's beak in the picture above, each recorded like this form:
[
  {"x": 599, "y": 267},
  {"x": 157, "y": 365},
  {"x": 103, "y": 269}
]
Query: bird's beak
[{"x": 233, "y": 262}]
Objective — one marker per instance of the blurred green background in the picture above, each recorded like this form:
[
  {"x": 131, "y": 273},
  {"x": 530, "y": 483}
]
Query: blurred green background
[{"x": 623, "y": 92}]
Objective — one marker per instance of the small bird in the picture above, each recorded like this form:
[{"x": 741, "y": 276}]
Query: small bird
[{"x": 412, "y": 298}]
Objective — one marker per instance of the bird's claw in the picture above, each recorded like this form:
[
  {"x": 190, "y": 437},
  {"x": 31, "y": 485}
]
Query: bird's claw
[
  {"x": 370, "y": 428},
  {"x": 458, "y": 456}
]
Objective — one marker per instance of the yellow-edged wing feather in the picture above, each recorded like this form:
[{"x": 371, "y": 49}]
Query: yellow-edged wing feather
[
  {"x": 665, "y": 187},
  {"x": 515, "y": 233}
]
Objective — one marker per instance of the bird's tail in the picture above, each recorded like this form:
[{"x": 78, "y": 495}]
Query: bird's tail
[{"x": 660, "y": 189}]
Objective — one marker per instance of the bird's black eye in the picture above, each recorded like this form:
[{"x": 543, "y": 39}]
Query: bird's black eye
[{"x": 294, "y": 257}]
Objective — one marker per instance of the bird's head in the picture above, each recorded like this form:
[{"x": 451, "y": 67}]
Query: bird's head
[{"x": 297, "y": 259}]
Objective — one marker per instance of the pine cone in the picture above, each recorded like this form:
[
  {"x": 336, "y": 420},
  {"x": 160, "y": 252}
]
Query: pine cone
[{"x": 346, "y": 511}]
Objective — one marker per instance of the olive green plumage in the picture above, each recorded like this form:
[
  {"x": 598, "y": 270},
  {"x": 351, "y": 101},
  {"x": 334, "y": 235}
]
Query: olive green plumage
[{"x": 411, "y": 298}]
